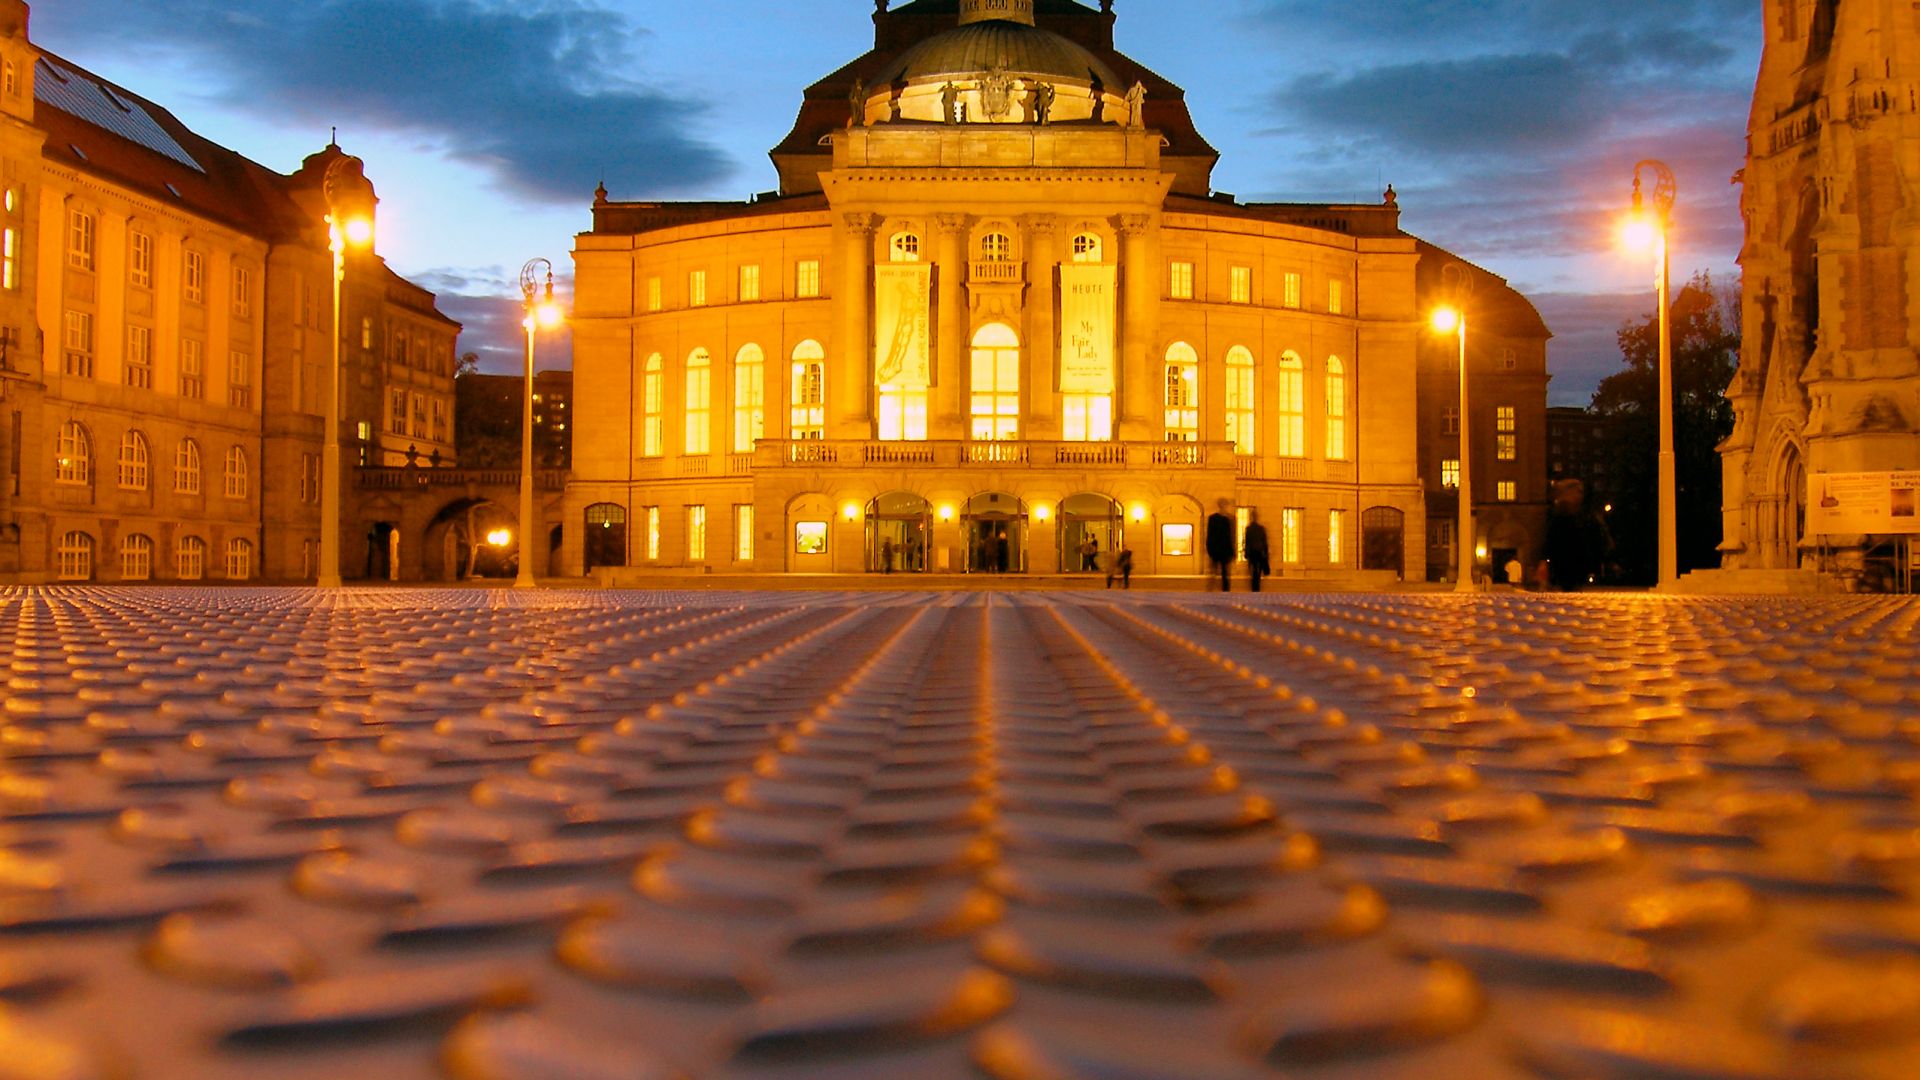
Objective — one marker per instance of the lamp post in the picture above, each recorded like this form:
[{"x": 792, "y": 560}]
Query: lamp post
[
  {"x": 1655, "y": 228},
  {"x": 540, "y": 311},
  {"x": 1452, "y": 319},
  {"x": 347, "y": 226}
]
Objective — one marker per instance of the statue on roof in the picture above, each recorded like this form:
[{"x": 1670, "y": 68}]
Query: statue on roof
[
  {"x": 857, "y": 104},
  {"x": 950, "y": 103},
  {"x": 1137, "y": 106},
  {"x": 1040, "y": 103},
  {"x": 880, "y": 7}
]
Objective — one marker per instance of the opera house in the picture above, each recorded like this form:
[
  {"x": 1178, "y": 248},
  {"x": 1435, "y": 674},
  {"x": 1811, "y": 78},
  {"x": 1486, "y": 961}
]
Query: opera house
[{"x": 996, "y": 319}]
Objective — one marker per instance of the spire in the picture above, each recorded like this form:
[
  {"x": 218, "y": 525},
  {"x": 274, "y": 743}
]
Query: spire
[{"x": 1017, "y": 11}]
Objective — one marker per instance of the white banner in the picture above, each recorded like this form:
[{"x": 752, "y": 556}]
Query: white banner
[
  {"x": 902, "y": 341},
  {"x": 1087, "y": 307},
  {"x": 1871, "y": 503}
]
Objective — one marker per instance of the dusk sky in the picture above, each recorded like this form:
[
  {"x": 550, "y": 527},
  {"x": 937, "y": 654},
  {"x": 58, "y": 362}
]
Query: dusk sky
[{"x": 1509, "y": 127}]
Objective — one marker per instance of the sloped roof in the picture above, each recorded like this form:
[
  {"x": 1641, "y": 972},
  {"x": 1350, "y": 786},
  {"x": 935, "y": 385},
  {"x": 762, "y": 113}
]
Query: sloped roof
[{"x": 1497, "y": 305}]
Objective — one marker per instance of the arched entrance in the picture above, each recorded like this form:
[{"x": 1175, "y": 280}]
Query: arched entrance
[
  {"x": 1089, "y": 531},
  {"x": 994, "y": 528},
  {"x": 1383, "y": 540},
  {"x": 1791, "y": 527},
  {"x": 606, "y": 536},
  {"x": 455, "y": 544},
  {"x": 899, "y": 533}
]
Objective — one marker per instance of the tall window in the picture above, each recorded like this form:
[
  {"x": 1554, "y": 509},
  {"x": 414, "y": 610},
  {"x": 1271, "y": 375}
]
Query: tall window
[
  {"x": 904, "y": 248},
  {"x": 239, "y": 559},
  {"x": 699, "y": 433},
  {"x": 1180, "y": 280},
  {"x": 186, "y": 468},
  {"x": 653, "y": 534},
  {"x": 996, "y": 247},
  {"x": 696, "y": 533},
  {"x": 1183, "y": 393},
  {"x": 1336, "y": 409},
  {"x": 1337, "y": 537},
  {"x": 193, "y": 368},
  {"x": 1450, "y": 421},
  {"x": 1086, "y": 248},
  {"x": 194, "y": 280},
  {"x": 749, "y": 398},
  {"x": 135, "y": 463},
  {"x": 1290, "y": 290},
  {"x": 75, "y": 557},
  {"x": 1450, "y": 473},
  {"x": 79, "y": 342},
  {"x": 1506, "y": 427},
  {"x": 1290, "y": 521},
  {"x": 236, "y": 476},
  {"x": 1242, "y": 418},
  {"x": 138, "y": 370},
  {"x": 1241, "y": 285},
  {"x": 73, "y": 454},
  {"x": 653, "y": 395},
  {"x": 697, "y": 288},
  {"x": 136, "y": 557},
  {"x": 749, "y": 284},
  {"x": 190, "y": 559},
  {"x": 397, "y": 410},
  {"x": 442, "y": 426},
  {"x": 309, "y": 478},
  {"x": 1293, "y": 406},
  {"x": 1506, "y": 491},
  {"x": 140, "y": 261},
  {"x": 242, "y": 293},
  {"x": 10, "y": 258},
  {"x": 1086, "y": 417},
  {"x": 743, "y": 533},
  {"x": 1336, "y": 297},
  {"x": 809, "y": 419},
  {"x": 239, "y": 380},
  {"x": 80, "y": 238},
  {"x": 653, "y": 294},
  {"x": 996, "y": 383},
  {"x": 806, "y": 279}
]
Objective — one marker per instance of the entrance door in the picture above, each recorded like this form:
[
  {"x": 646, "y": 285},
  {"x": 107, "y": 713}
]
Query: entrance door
[
  {"x": 1383, "y": 540},
  {"x": 899, "y": 532},
  {"x": 1089, "y": 531},
  {"x": 995, "y": 531},
  {"x": 606, "y": 537}
]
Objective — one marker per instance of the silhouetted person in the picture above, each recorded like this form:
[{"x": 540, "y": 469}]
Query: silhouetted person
[
  {"x": 1220, "y": 544},
  {"x": 1003, "y": 551},
  {"x": 1122, "y": 566},
  {"x": 886, "y": 556},
  {"x": 1089, "y": 555},
  {"x": 1259, "y": 562}
]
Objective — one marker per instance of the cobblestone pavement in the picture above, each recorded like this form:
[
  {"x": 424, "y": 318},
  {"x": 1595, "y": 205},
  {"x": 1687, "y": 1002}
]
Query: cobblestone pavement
[{"x": 267, "y": 833}]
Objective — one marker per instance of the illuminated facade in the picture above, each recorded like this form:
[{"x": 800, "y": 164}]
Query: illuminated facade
[
  {"x": 165, "y": 314},
  {"x": 994, "y": 318}
]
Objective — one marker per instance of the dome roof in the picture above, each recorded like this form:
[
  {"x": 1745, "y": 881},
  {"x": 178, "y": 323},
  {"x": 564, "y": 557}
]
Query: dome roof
[{"x": 1011, "y": 47}]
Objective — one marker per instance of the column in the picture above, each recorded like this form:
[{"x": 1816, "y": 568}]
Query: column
[
  {"x": 850, "y": 386},
  {"x": 1140, "y": 303},
  {"x": 1043, "y": 338},
  {"x": 951, "y": 352}
]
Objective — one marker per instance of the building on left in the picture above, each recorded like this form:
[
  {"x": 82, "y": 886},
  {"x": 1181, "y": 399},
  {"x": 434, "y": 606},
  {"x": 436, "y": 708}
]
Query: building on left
[{"x": 165, "y": 306}]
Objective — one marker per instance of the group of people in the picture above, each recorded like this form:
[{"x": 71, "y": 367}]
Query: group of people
[
  {"x": 911, "y": 553},
  {"x": 1224, "y": 548}
]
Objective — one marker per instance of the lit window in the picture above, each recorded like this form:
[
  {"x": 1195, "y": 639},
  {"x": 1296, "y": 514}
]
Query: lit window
[
  {"x": 80, "y": 238},
  {"x": 194, "y": 283},
  {"x": 743, "y": 533},
  {"x": 73, "y": 454},
  {"x": 190, "y": 559},
  {"x": 1506, "y": 437},
  {"x": 186, "y": 468},
  {"x": 1086, "y": 248},
  {"x": 1242, "y": 285},
  {"x": 140, "y": 261},
  {"x": 1292, "y": 399},
  {"x": 1242, "y": 419},
  {"x": 652, "y": 404},
  {"x": 236, "y": 476},
  {"x": 1336, "y": 297},
  {"x": 809, "y": 419},
  {"x": 239, "y": 559},
  {"x": 10, "y": 258},
  {"x": 79, "y": 339},
  {"x": 239, "y": 380},
  {"x": 1290, "y": 520},
  {"x": 242, "y": 293},
  {"x": 419, "y": 416},
  {"x": 1290, "y": 291},
  {"x": 1506, "y": 491},
  {"x": 699, "y": 437},
  {"x": 397, "y": 410},
  {"x": 135, "y": 463},
  {"x": 653, "y": 534},
  {"x": 1450, "y": 473},
  {"x": 1337, "y": 537},
  {"x": 1336, "y": 409},
  {"x": 996, "y": 383},
  {"x": 902, "y": 414},
  {"x": 749, "y": 398},
  {"x": 75, "y": 557},
  {"x": 749, "y": 284},
  {"x": 138, "y": 370},
  {"x": 996, "y": 247},
  {"x": 1180, "y": 281},
  {"x": 697, "y": 288},
  {"x": 696, "y": 533},
  {"x": 366, "y": 332},
  {"x": 653, "y": 294},
  {"x": 442, "y": 427},
  {"x": 136, "y": 558},
  {"x": 1183, "y": 393},
  {"x": 904, "y": 248},
  {"x": 1086, "y": 417},
  {"x": 806, "y": 279}
]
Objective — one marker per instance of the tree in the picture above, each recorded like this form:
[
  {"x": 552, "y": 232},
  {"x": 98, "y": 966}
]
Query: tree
[{"x": 1706, "y": 353}]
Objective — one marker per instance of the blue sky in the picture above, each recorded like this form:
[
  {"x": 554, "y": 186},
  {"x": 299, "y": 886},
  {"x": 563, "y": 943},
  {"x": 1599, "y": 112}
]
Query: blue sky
[{"x": 1509, "y": 127}]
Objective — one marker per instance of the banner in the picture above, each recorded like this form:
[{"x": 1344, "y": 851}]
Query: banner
[
  {"x": 1872, "y": 503},
  {"x": 902, "y": 339},
  {"x": 1087, "y": 307}
]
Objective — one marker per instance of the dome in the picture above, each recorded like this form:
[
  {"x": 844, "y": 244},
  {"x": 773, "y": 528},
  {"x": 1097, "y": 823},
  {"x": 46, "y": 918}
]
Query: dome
[{"x": 1012, "y": 48}]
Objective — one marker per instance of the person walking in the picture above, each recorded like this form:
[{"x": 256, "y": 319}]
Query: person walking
[
  {"x": 1089, "y": 555},
  {"x": 886, "y": 556},
  {"x": 1221, "y": 548},
  {"x": 1122, "y": 566},
  {"x": 1259, "y": 562}
]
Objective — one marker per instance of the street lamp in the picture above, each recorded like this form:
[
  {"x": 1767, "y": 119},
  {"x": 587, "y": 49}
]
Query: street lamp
[
  {"x": 541, "y": 311},
  {"x": 1452, "y": 319},
  {"x": 349, "y": 225},
  {"x": 1653, "y": 228}
]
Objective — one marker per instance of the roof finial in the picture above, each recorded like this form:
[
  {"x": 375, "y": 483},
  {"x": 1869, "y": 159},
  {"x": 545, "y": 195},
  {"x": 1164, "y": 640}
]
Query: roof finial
[
  {"x": 600, "y": 194},
  {"x": 333, "y": 139},
  {"x": 1392, "y": 197}
]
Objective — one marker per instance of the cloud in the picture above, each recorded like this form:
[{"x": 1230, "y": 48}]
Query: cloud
[
  {"x": 536, "y": 91},
  {"x": 1586, "y": 338}
]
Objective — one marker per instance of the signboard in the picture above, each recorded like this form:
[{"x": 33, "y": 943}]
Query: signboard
[
  {"x": 1087, "y": 307},
  {"x": 903, "y": 316},
  {"x": 1879, "y": 503}
]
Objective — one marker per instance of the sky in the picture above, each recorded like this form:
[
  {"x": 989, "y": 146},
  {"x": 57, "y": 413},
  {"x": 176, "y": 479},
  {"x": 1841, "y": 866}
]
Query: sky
[{"x": 1509, "y": 128}]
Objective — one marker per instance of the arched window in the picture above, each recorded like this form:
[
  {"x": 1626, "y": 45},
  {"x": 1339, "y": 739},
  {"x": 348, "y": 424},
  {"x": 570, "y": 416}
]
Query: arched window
[
  {"x": 236, "y": 473},
  {"x": 749, "y": 398},
  {"x": 904, "y": 247},
  {"x": 239, "y": 559},
  {"x": 74, "y": 557},
  {"x": 1336, "y": 409},
  {"x": 1293, "y": 406},
  {"x": 1242, "y": 415},
  {"x": 186, "y": 468},
  {"x": 699, "y": 433},
  {"x": 1086, "y": 248},
  {"x": 996, "y": 247},
  {"x": 652, "y": 404},
  {"x": 136, "y": 558},
  {"x": 809, "y": 391},
  {"x": 190, "y": 559},
  {"x": 1183, "y": 393},
  {"x": 134, "y": 462},
  {"x": 996, "y": 383},
  {"x": 73, "y": 455}
]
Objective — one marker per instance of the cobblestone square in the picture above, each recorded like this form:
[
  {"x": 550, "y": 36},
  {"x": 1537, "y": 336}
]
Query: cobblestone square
[{"x": 487, "y": 834}]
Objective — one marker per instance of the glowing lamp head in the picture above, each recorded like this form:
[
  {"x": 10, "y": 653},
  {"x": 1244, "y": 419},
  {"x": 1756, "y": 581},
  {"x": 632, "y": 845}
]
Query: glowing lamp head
[
  {"x": 500, "y": 538},
  {"x": 850, "y": 511},
  {"x": 549, "y": 315},
  {"x": 946, "y": 513},
  {"x": 1041, "y": 512},
  {"x": 1445, "y": 320},
  {"x": 358, "y": 232},
  {"x": 1480, "y": 552},
  {"x": 1139, "y": 513}
]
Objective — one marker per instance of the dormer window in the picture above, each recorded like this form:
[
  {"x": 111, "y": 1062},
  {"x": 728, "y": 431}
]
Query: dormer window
[{"x": 905, "y": 248}]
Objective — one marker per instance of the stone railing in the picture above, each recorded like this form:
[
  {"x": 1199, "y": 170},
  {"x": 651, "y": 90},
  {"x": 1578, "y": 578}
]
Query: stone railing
[
  {"x": 406, "y": 479},
  {"x": 995, "y": 272},
  {"x": 828, "y": 453}
]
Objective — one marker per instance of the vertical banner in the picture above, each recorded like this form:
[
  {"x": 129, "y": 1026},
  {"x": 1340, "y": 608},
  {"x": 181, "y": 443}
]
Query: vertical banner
[
  {"x": 1087, "y": 308},
  {"x": 903, "y": 338}
]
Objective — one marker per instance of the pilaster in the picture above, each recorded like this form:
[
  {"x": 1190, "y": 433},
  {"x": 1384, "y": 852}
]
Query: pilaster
[
  {"x": 850, "y": 394},
  {"x": 1043, "y": 336},
  {"x": 950, "y": 359},
  {"x": 1140, "y": 302}
]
